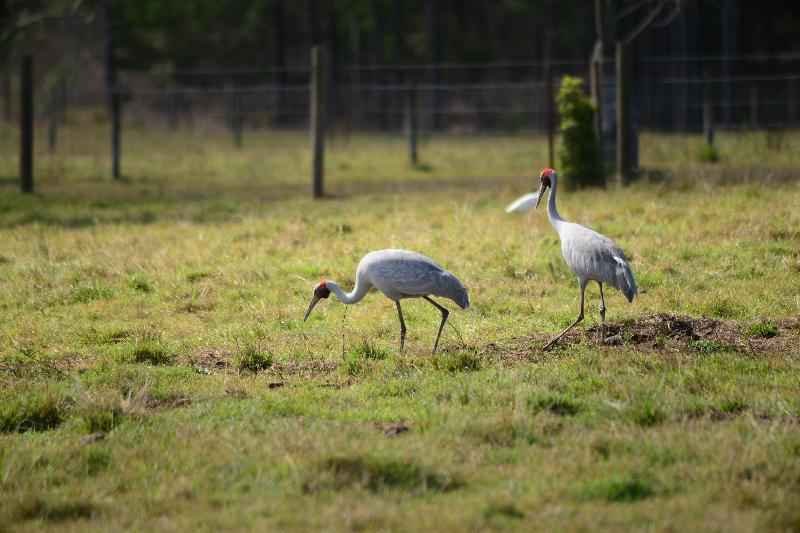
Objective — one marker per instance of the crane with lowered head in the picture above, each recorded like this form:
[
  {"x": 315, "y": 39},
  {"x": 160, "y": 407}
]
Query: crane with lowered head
[{"x": 398, "y": 274}]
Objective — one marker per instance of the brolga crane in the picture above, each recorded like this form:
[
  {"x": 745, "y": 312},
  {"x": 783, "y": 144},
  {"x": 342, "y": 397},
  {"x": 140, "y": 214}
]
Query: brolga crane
[
  {"x": 591, "y": 256},
  {"x": 398, "y": 274}
]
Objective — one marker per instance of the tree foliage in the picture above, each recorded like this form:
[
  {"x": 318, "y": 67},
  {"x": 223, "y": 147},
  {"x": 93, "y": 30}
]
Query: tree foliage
[{"x": 578, "y": 150}]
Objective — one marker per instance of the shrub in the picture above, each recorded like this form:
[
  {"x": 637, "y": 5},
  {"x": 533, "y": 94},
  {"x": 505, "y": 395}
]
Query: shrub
[{"x": 578, "y": 150}]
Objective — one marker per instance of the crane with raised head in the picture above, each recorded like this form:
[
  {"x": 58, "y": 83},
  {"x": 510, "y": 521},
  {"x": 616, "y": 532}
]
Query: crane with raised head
[
  {"x": 591, "y": 256},
  {"x": 398, "y": 274}
]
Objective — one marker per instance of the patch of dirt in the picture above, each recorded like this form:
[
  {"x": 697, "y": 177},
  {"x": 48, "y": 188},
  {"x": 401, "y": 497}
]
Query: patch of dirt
[
  {"x": 92, "y": 437},
  {"x": 662, "y": 331},
  {"x": 218, "y": 360},
  {"x": 391, "y": 430},
  {"x": 235, "y": 392},
  {"x": 210, "y": 361},
  {"x": 293, "y": 367},
  {"x": 171, "y": 401}
]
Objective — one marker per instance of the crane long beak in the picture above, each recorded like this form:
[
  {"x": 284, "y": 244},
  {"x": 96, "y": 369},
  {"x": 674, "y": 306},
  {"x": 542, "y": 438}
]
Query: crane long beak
[
  {"x": 541, "y": 193},
  {"x": 314, "y": 301}
]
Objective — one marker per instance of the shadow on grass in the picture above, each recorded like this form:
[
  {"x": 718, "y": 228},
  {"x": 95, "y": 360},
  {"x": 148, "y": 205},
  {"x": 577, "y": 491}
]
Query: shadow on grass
[{"x": 78, "y": 204}]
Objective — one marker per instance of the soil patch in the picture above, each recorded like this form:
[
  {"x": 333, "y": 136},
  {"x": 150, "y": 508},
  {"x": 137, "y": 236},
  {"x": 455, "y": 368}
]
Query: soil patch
[{"x": 662, "y": 331}]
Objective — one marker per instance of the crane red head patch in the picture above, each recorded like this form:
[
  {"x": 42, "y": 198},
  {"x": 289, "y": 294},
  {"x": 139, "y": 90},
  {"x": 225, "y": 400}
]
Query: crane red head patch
[
  {"x": 322, "y": 290},
  {"x": 545, "y": 176}
]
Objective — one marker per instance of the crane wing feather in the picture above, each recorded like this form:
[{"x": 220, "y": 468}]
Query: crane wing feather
[
  {"x": 524, "y": 203},
  {"x": 595, "y": 256},
  {"x": 410, "y": 276}
]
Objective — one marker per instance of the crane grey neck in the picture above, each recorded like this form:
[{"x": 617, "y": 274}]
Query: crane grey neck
[
  {"x": 356, "y": 295},
  {"x": 552, "y": 211}
]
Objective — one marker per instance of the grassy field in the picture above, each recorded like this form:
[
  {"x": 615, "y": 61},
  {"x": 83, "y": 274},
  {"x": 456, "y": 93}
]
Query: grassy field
[{"x": 157, "y": 373}]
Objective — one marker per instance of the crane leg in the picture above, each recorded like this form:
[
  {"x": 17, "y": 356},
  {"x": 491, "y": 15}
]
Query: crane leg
[
  {"x": 602, "y": 314},
  {"x": 445, "y": 314},
  {"x": 580, "y": 317},
  {"x": 402, "y": 326}
]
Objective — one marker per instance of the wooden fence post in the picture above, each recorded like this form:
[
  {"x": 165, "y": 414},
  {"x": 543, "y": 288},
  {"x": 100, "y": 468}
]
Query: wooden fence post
[
  {"x": 116, "y": 132},
  {"x": 623, "y": 116},
  {"x": 172, "y": 107},
  {"x": 26, "y": 125},
  {"x": 708, "y": 112},
  {"x": 411, "y": 112},
  {"x": 62, "y": 99},
  {"x": 551, "y": 116},
  {"x": 317, "y": 120}
]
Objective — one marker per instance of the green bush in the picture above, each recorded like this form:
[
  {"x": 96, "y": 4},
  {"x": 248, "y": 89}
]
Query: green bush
[{"x": 578, "y": 150}]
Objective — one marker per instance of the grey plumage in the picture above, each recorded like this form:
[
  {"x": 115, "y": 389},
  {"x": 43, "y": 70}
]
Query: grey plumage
[
  {"x": 596, "y": 257},
  {"x": 399, "y": 274},
  {"x": 404, "y": 274},
  {"x": 590, "y": 255}
]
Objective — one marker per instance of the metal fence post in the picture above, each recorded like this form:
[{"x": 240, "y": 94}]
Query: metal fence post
[
  {"x": 26, "y": 125},
  {"x": 411, "y": 111},
  {"x": 116, "y": 132},
  {"x": 708, "y": 112},
  {"x": 317, "y": 120}
]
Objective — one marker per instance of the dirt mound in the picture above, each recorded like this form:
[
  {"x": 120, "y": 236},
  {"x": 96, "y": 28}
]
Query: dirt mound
[{"x": 665, "y": 331}]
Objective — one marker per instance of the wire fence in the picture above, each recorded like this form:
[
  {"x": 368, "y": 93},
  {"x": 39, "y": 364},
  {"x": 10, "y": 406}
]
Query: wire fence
[
  {"x": 674, "y": 95},
  {"x": 668, "y": 105},
  {"x": 667, "y": 92}
]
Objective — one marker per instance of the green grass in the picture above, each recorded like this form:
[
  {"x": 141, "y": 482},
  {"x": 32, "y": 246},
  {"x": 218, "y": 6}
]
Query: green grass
[{"x": 157, "y": 373}]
